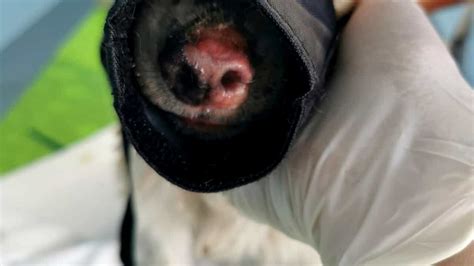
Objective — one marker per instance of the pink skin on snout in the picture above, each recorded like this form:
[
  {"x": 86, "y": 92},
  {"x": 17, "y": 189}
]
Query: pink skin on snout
[{"x": 219, "y": 59}]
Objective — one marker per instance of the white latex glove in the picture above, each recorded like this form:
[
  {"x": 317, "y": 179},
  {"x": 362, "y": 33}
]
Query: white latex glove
[{"x": 383, "y": 174}]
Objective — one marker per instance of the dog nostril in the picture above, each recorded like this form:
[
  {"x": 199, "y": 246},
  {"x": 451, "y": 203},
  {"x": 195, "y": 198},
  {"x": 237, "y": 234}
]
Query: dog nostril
[
  {"x": 232, "y": 80},
  {"x": 187, "y": 87}
]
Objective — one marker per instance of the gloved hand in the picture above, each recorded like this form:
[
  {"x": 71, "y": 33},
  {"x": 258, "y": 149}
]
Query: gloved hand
[{"x": 383, "y": 173}]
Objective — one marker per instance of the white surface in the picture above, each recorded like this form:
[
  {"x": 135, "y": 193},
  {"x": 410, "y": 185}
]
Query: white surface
[
  {"x": 65, "y": 209},
  {"x": 384, "y": 174}
]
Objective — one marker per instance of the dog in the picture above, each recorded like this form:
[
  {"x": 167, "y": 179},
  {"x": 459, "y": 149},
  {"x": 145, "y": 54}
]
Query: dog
[{"x": 214, "y": 69}]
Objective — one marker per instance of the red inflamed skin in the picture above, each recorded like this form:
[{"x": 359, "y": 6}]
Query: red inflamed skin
[{"x": 219, "y": 59}]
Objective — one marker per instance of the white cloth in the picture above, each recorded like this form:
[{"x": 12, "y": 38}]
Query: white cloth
[
  {"x": 383, "y": 174},
  {"x": 65, "y": 209}
]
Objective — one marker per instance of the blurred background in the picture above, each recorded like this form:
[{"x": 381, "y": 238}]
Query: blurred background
[{"x": 53, "y": 90}]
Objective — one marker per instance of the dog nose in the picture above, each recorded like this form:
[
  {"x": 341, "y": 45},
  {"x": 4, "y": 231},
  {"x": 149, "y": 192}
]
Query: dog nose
[{"x": 218, "y": 72}]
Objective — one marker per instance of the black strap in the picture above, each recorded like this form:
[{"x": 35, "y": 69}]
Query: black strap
[
  {"x": 126, "y": 236},
  {"x": 127, "y": 228}
]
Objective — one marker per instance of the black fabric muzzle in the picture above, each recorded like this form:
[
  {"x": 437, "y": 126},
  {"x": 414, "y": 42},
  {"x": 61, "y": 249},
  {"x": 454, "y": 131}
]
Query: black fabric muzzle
[{"x": 212, "y": 166}]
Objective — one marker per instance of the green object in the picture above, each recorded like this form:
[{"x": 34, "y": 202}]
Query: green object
[{"x": 70, "y": 100}]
